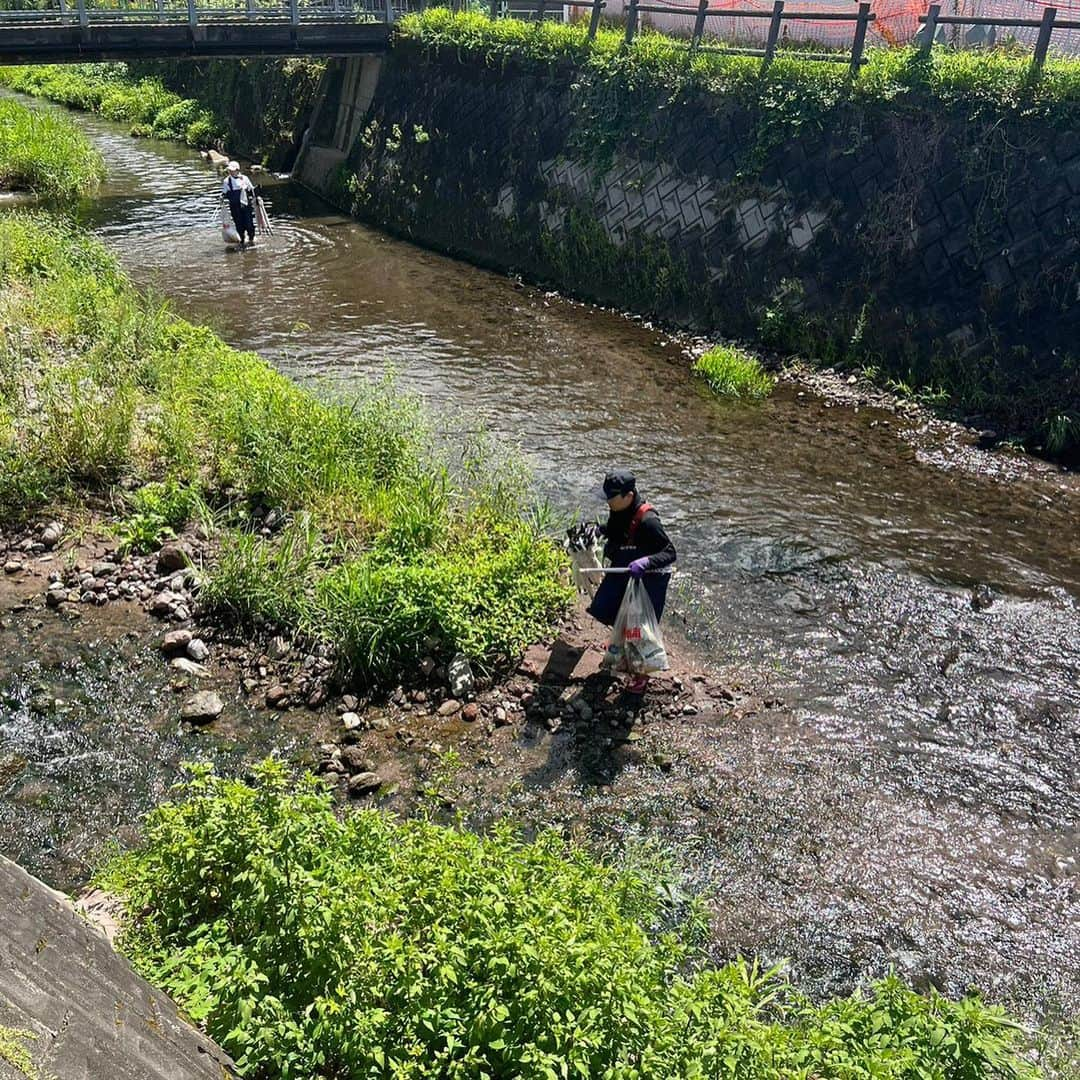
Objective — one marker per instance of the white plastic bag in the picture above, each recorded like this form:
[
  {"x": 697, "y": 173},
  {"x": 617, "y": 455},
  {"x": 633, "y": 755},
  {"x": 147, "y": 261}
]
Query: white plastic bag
[
  {"x": 228, "y": 227},
  {"x": 636, "y": 645}
]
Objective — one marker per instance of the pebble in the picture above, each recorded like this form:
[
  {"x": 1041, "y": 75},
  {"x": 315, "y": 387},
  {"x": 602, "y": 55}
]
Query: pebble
[
  {"x": 470, "y": 712},
  {"x": 356, "y": 760},
  {"x": 188, "y": 667},
  {"x": 350, "y": 721},
  {"x": 501, "y": 718},
  {"x": 12, "y": 566},
  {"x": 449, "y": 708},
  {"x": 278, "y": 648},
  {"x": 202, "y": 707}
]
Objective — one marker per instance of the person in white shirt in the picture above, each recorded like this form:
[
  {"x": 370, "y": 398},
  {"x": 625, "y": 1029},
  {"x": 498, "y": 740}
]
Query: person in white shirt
[{"x": 239, "y": 191}]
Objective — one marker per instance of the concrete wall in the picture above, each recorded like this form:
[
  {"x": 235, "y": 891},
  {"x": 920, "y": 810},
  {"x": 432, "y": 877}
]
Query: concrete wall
[
  {"x": 88, "y": 1015},
  {"x": 902, "y": 238}
]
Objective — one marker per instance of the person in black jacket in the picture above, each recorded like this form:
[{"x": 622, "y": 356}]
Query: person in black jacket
[{"x": 634, "y": 538}]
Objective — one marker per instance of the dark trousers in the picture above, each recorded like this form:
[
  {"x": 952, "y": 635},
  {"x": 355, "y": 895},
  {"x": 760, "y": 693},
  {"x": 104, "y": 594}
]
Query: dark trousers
[
  {"x": 609, "y": 596},
  {"x": 243, "y": 218}
]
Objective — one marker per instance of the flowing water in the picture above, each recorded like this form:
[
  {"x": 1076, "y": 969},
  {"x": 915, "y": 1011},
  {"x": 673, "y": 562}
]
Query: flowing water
[{"x": 915, "y": 799}]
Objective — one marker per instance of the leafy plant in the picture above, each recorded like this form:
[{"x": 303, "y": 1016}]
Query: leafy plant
[{"x": 313, "y": 945}]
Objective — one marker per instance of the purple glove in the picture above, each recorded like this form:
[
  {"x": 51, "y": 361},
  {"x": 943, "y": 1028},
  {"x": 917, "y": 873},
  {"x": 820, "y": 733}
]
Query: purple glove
[{"x": 638, "y": 568}]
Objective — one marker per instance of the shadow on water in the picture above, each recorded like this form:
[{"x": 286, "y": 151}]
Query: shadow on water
[{"x": 916, "y": 796}]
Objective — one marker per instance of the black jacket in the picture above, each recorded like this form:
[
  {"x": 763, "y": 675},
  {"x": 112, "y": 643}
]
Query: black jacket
[{"x": 650, "y": 539}]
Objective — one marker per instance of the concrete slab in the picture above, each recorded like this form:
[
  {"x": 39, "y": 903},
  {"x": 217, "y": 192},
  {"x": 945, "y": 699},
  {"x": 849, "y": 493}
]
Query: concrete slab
[{"x": 88, "y": 1015}]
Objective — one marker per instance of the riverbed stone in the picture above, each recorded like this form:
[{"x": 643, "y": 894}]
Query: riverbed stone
[
  {"x": 198, "y": 650},
  {"x": 104, "y": 569},
  {"x": 202, "y": 707},
  {"x": 356, "y": 760},
  {"x": 449, "y": 708},
  {"x": 173, "y": 556},
  {"x": 176, "y": 641},
  {"x": 350, "y": 721},
  {"x": 470, "y": 712},
  {"x": 13, "y": 566},
  {"x": 277, "y": 697},
  {"x": 278, "y": 648},
  {"x": 364, "y": 784},
  {"x": 51, "y": 534},
  {"x": 188, "y": 667}
]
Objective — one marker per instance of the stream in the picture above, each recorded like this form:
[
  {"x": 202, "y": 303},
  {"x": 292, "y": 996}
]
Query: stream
[{"x": 911, "y": 796}]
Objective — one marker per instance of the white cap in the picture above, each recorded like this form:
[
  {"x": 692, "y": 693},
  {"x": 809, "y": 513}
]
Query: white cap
[{"x": 233, "y": 166}]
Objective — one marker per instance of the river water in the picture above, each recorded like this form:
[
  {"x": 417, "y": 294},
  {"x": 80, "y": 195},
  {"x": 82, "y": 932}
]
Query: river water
[{"x": 914, "y": 800}]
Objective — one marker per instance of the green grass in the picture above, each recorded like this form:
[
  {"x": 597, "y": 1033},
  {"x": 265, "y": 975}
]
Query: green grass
[
  {"x": 314, "y": 945},
  {"x": 108, "y": 90},
  {"x": 390, "y": 538},
  {"x": 730, "y": 372},
  {"x": 45, "y": 154}
]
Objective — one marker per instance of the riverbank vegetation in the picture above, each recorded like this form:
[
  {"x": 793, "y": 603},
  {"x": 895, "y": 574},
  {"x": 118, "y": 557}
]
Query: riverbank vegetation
[
  {"x": 107, "y": 89},
  {"x": 314, "y": 945},
  {"x": 731, "y": 372},
  {"x": 384, "y": 544},
  {"x": 45, "y": 154}
]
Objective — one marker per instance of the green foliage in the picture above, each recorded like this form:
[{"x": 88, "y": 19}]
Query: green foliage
[
  {"x": 109, "y": 90},
  {"x": 731, "y": 372},
  {"x": 45, "y": 154},
  {"x": 312, "y": 945},
  {"x": 390, "y": 538}
]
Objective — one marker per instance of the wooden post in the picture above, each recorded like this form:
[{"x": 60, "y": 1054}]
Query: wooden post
[
  {"x": 930, "y": 27},
  {"x": 774, "y": 32},
  {"x": 631, "y": 21},
  {"x": 192, "y": 16},
  {"x": 1042, "y": 44},
  {"x": 594, "y": 18},
  {"x": 84, "y": 19},
  {"x": 494, "y": 13},
  {"x": 860, "y": 38},
  {"x": 63, "y": 10},
  {"x": 699, "y": 24},
  {"x": 389, "y": 12},
  {"x": 541, "y": 4}
]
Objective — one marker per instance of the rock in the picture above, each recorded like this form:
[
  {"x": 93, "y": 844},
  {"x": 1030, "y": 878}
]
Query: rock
[
  {"x": 250, "y": 685},
  {"x": 470, "y": 712},
  {"x": 55, "y": 597},
  {"x": 50, "y": 535},
  {"x": 12, "y": 566},
  {"x": 355, "y": 760},
  {"x": 202, "y": 707},
  {"x": 449, "y": 708},
  {"x": 316, "y": 697},
  {"x": 277, "y": 697},
  {"x": 427, "y": 666},
  {"x": 350, "y": 703},
  {"x": 104, "y": 569},
  {"x": 981, "y": 598},
  {"x": 172, "y": 557},
  {"x": 188, "y": 667},
  {"x": 215, "y": 158},
  {"x": 363, "y": 784},
  {"x": 459, "y": 676},
  {"x": 165, "y": 603},
  {"x": 198, "y": 650},
  {"x": 501, "y": 717},
  {"x": 379, "y": 723},
  {"x": 176, "y": 641},
  {"x": 351, "y": 721},
  {"x": 278, "y": 648}
]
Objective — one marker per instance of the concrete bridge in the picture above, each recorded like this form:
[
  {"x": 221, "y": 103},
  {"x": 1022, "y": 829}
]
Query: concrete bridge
[{"x": 84, "y": 31}]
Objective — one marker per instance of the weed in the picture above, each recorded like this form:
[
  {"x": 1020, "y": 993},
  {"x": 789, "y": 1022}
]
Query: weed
[
  {"x": 730, "y": 372},
  {"x": 45, "y": 154}
]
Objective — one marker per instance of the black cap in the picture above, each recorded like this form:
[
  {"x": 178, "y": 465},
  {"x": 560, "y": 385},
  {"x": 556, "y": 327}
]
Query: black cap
[{"x": 619, "y": 482}]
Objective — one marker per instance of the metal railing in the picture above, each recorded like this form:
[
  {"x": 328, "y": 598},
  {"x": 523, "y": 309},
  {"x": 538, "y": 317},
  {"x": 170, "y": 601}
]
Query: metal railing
[{"x": 85, "y": 13}]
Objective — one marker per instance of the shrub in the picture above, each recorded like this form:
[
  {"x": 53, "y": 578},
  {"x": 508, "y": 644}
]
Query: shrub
[
  {"x": 730, "y": 372},
  {"x": 313, "y": 945}
]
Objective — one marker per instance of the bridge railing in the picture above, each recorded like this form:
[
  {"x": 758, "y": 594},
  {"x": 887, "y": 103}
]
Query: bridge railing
[{"x": 106, "y": 12}]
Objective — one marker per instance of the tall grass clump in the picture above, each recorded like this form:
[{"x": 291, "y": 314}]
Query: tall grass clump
[
  {"x": 45, "y": 154},
  {"x": 731, "y": 372},
  {"x": 390, "y": 539},
  {"x": 110, "y": 91},
  {"x": 311, "y": 945}
]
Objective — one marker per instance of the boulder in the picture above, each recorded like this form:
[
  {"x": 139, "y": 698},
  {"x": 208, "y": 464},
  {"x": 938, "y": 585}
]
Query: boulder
[
  {"x": 202, "y": 707},
  {"x": 50, "y": 535},
  {"x": 355, "y": 760},
  {"x": 459, "y": 676}
]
